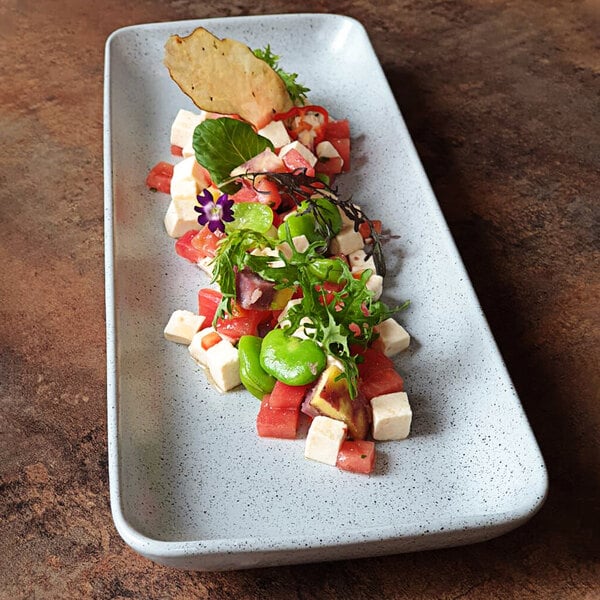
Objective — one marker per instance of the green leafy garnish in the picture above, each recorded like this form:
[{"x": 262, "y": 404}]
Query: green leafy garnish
[
  {"x": 231, "y": 256},
  {"x": 223, "y": 144},
  {"x": 340, "y": 318},
  {"x": 296, "y": 91}
]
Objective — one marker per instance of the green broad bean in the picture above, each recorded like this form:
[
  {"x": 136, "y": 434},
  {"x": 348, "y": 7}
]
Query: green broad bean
[
  {"x": 254, "y": 378},
  {"x": 291, "y": 360}
]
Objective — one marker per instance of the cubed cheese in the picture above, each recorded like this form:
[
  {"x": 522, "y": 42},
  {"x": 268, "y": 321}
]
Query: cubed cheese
[
  {"x": 324, "y": 439},
  {"x": 375, "y": 284},
  {"x": 393, "y": 337},
  {"x": 346, "y": 241},
  {"x": 188, "y": 150},
  {"x": 310, "y": 158},
  {"x": 185, "y": 169},
  {"x": 301, "y": 243},
  {"x": 183, "y": 127},
  {"x": 207, "y": 265},
  {"x": 276, "y": 132},
  {"x": 182, "y": 326},
  {"x": 392, "y": 416},
  {"x": 188, "y": 178},
  {"x": 346, "y": 221},
  {"x": 197, "y": 352},
  {"x": 224, "y": 365},
  {"x": 358, "y": 261},
  {"x": 181, "y": 217},
  {"x": 184, "y": 189},
  {"x": 327, "y": 150}
]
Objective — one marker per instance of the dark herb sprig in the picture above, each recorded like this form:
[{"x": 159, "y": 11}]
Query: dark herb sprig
[{"x": 299, "y": 187}]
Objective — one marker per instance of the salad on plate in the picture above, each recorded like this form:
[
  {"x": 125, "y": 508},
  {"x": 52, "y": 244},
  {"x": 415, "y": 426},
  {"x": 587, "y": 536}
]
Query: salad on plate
[{"x": 290, "y": 307}]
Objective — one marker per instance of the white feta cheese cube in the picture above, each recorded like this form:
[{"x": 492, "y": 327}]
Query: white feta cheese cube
[
  {"x": 224, "y": 366},
  {"x": 188, "y": 149},
  {"x": 285, "y": 249},
  {"x": 188, "y": 178},
  {"x": 393, "y": 337},
  {"x": 206, "y": 264},
  {"x": 195, "y": 348},
  {"x": 183, "y": 126},
  {"x": 184, "y": 189},
  {"x": 181, "y": 217},
  {"x": 310, "y": 158},
  {"x": 182, "y": 326},
  {"x": 184, "y": 169},
  {"x": 346, "y": 241},
  {"x": 375, "y": 284},
  {"x": 346, "y": 221},
  {"x": 358, "y": 261},
  {"x": 276, "y": 132},
  {"x": 301, "y": 243},
  {"x": 327, "y": 150},
  {"x": 392, "y": 416},
  {"x": 324, "y": 439}
]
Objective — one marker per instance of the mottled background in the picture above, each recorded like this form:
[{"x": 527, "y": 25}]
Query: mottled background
[{"x": 502, "y": 100}]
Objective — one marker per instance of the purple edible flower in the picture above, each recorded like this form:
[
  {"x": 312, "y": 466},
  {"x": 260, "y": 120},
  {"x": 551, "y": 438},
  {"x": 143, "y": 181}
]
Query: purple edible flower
[{"x": 214, "y": 214}]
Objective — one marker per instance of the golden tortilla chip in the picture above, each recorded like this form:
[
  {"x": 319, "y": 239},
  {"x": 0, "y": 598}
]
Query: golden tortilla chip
[{"x": 224, "y": 76}]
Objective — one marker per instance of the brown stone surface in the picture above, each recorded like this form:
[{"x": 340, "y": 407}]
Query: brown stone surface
[{"x": 502, "y": 99}]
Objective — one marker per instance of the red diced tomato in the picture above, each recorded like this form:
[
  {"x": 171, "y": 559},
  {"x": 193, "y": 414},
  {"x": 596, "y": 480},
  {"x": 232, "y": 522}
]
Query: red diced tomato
[
  {"x": 337, "y": 129},
  {"x": 276, "y": 422},
  {"x": 383, "y": 382},
  {"x": 210, "y": 340},
  {"x": 357, "y": 456},
  {"x": 374, "y": 361},
  {"x": 365, "y": 231},
  {"x": 195, "y": 245},
  {"x": 185, "y": 248},
  {"x": 267, "y": 192},
  {"x": 355, "y": 329},
  {"x": 206, "y": 241},
  {"x": 176, "y": 150},
  {"x": 288, "y": 396},
  {"x": 208, "y": 302},
  {"x": 329, "y": 166},
  {"x": 263, "y": 190},
  {"x": 342, "y": 145},
  {"x": 377, "y": 374},
  {"x": 294, "y": 160},
  {"x": 245, "y": 194},
  {"x": 234, "y": 327},
  {"x": 160, "y": 177},
  {"x": 329, "y": 288}
]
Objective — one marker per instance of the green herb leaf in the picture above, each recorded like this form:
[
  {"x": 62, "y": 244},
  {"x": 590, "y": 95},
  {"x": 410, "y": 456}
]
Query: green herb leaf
[
  {"x": 296, "y": 91},
  {"x": 223, "y": 144}
]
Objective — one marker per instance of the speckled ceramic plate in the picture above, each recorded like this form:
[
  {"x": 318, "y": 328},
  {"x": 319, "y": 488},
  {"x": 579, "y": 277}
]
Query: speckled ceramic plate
[{"x": 191, "y": 483}]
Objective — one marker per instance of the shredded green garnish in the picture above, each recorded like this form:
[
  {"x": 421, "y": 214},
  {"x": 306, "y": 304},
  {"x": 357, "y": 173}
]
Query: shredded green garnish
[
  {"x": 296, "y": 91},
  {"x": 339, "y": 319}
]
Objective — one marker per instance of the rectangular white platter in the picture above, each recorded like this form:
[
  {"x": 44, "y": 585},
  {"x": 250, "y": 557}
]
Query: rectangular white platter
[{"x": 191, "y": 483}]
